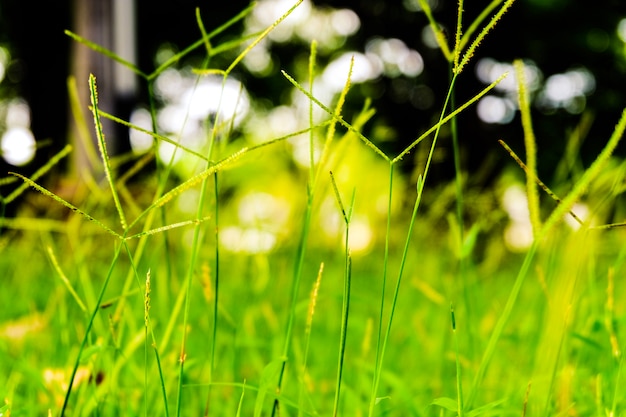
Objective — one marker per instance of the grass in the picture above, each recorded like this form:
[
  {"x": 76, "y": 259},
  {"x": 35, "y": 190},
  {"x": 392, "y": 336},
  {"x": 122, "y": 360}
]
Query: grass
[{"x": 122, "y": 304}]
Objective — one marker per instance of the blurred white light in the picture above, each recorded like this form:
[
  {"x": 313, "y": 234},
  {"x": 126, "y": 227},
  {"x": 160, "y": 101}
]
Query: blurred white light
[
  {"x": 330, "y": 219},
  {"x": 328, "y": 27},
  {"x": 318, "y": 26},
  {"x": 518, "y": 236},
  {"x": 173, "y": 118},
  {"x": 515, "y": 203},
  {"x": 621, "y": 29},
  {"x": 18, "y": 114},
  {"x": 582, "y": 212},
  {"x": 263, "y": 209},
  {"x": 364, "y": 69},
  {"x": 18, "y": 146},
  {"x": 488, "y": 70},
  {"x": 412, "y": 64},
  {"x": 282, "y": 120},
  {"x": 5, "y": 58},
  {"x": 188, "y": 201},
  {"x": 269, "y": 11},
  {"x": 167, "y": 151},
  {"x": 169, "y": 84},
  {"x": 211, "y": 96},
  {"x": 428, "y": 37},
  {"x": 492, "y": 109},
  {"x": 140, "y": 142},
  {"x": 301, "y": 150},
  {"x": 396, "y": 57},
  {"x": 345, "y": 22},
  {"x": 361, "y": 235},
  {"x": 568, "y": 90},
  {"x": 247, "y": 240},
  {"x": 258, "y": 60},
  {"x": 559, "y": 87}
]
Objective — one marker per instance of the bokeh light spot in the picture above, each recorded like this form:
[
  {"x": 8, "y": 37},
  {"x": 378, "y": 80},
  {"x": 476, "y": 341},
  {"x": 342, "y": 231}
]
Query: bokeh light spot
[
  {"x": 621, "y": 29},
  {"x": 140, "y": 142},
  {"x": 492, "y": 109},
  {"x": 18, "y": 146},
  {"x": 345, "y": 22}
]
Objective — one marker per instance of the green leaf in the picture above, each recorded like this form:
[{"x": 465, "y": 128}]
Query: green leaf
[
  {"x": 491, "y": 408},
  {"x": 379, "y": 399},
  {"x": 268, "y": 380},
  {"x": 449, "y": 404}
]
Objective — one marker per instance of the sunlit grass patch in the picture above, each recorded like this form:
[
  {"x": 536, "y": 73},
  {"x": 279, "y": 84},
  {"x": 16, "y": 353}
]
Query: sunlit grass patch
[{"x": 304, "y": 273}]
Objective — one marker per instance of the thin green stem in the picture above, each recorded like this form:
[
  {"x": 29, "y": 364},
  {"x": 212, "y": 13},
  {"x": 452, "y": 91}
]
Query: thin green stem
[
  {"x": 295, "y": 289},
  {"x": 216, "y": 288},
  {"x": 460, "y": 209},
  {"x": 502, "y": 321},
  {"x": 377, "y": 363},
  {"x": 89, "y": 326},
  {"x": 346, "y": 294},
  {"x": 459, "y": 382},
  {"x": 381, "y": 356}
]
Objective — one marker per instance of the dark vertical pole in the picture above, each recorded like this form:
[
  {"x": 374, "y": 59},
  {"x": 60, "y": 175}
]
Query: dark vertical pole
[
  {"x": 110, "y": 24},
  {"x": 93, "y": 21},
  {"x": 124, "y": 80}
]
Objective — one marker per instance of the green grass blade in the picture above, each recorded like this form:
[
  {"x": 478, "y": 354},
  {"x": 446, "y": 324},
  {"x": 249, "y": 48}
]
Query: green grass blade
[
  {"x": 437, "y": 31},
  {"x": 330, "y": 133},
  {"x": 261, "y": 37},
  {"x": 307, "y": 334},
  {"x": 64, "y": 279},
  {"x": 379, "y": 337},
  {"x": 146, "y": 320},
  {"x": 312, "y": 173},
  {"x": 240, "y": 405},
  {"x": 83, "y": 344},
  {"x": 103, "y": 150},
  {"x": 590, "y": 174},
  {"x": 338, "y": 118},
  {"x": 39, "y": 173},
  {"x": 167, "y": 227},
  {"x": 500, "y": 324},
  {"x": 531, "y": 148},
  {"x": 227, "y": 45},
  {"x": 297, "y": 276},
  {"x": 539, "y": 182},
  {"x": 473, "y": 27},
  {"x": 469, "y": 53},
  {"x": 457, "y": 36},
  {"x": 154, "y": 135},
  {"x": 205, "y": 36},
  {"x": 380, "y": 357},
  {"x": 216, "y": 293},
  {"x": 106, "y": 52},
  {"x": 195, "y": 180},
  {"x": 345, "y": 310},
  {"x": 345, "y": 314},
  {"x": 61, "y": 201},
  {"x": 459, "y": 381},
  {"x": 446, "y": 119}
]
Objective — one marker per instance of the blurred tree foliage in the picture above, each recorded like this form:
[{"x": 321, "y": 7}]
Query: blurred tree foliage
[{"x": 556, "y": 35}]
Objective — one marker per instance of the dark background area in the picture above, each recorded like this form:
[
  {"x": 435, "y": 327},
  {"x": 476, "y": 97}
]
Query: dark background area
[{"x": 557, "y": 35}]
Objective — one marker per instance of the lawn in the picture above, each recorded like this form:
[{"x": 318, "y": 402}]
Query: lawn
[{"x": 233, "y": 279}]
